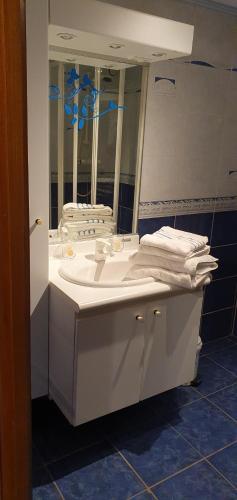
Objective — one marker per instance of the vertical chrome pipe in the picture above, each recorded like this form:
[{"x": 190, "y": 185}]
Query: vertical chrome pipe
[{"x": 118, "y": 144}]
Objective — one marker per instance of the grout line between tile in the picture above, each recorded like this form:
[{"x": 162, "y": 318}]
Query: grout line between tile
[
  {"x": 226, "y": 245},
  {"x": 212, "y": 222},
  {"x": 218, "y": 310},
  {"x": 178, "y": 472},
  {"x": 54, "y": 483},
  {"x": 220, "y": 474},
  {"x": 218, "y": 364},
  {"x": 131, "y": 467},
  {"x": 83, "y": 448},
  {"x": 223, "y": 411},
  {"x": 221, "y": 449},
  {"x": 214, "y": 392},
  {"x": 225, "y": 278}
]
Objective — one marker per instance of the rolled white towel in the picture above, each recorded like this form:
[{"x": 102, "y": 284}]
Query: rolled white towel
[
  {"x": 175, "y": 241},
  {"x": 182, "y": 280},
  {"x": 195, "y": 265},
  {"x": 158, "y": 252}
]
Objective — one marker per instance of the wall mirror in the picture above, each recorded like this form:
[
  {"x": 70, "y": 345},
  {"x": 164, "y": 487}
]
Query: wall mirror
[{"x": 97, "y": 116}]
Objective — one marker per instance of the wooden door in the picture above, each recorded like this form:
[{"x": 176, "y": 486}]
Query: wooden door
[{"x": 14, "y": 259}]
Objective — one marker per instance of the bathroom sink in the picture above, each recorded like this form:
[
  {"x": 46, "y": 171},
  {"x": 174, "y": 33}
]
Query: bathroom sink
[{"x": 84, "y": 270}]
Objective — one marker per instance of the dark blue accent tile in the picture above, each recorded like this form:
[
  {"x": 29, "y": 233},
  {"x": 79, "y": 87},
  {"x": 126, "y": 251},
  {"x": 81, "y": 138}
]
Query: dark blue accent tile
[
  {"x": 54, "y": 437},
  {"x": 83, "y": 192},
  {"x": 43, "y": 488},
  {"x": 224, "y": 228},
  {"x": 148, "y": 226},
  {"x": 156, "y": 451},
  {"x": 216, "y": 324},
  {"x": 54, "y": 194},
  {"x": 227, "y": 358},
  {"x": 216, "y": 345},
  {"x": 105, "y": 193},
  {"x": 126, "y": 195},
  {"x": 54, "y": 218},
  {"x": 213, "y": 377},
  {"x": 199, "y": 482},
  {"x": 125, "y": 219},
  {"x": 227, "y": 400},
  {"x": 226, "y": 462},
  {"x": 204, "y": 426},
  {"x": 171, "y": 401},
  {"x": 68, "y": 196},
  {"x": 95, "y": 473},
  {"x": 195, "y": 223},
  {"x": 220, "y": 294},
  {"x": 227, "y": 261}
]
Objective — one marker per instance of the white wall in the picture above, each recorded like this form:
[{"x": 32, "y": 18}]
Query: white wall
[
  {"x": 190, "y": 134},
  {"x": 37, "y": 97}
]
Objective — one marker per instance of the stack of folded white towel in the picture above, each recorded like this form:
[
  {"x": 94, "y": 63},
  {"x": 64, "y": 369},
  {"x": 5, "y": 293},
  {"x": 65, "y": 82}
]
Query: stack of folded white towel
[
  {"x": 88, "y": 219},
  {"x": 176, "y": 257}
]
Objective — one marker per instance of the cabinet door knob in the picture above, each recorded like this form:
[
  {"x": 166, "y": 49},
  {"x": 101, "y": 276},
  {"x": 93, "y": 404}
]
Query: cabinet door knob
[
  {"x": 139, "y": 317},
  {"x": 157, "y": 313},
  {"x": 39, "y": 222}
]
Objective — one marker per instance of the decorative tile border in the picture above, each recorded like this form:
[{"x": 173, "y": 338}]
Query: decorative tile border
[{"x": 152, "y": 209}]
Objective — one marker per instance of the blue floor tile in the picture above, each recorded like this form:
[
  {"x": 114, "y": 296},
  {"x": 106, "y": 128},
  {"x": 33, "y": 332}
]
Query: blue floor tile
[
  {"x": 199, "y": 482},
  {"x": 216, "y": 345},
  {"x": 43, "y": 488},
  {"x": 156, "y": 452},
  {"x": 143, "y": 496},
  {"x": 226, "y": 462},
  {"x": 227, "y": 358},
  {"x": 213, "y": 377},
  {"x": 169, "y": 401},
  {"x": 204, "y": 426},
  {"x": 227, "y": 400},
  {"x": 95, "y": 473}
]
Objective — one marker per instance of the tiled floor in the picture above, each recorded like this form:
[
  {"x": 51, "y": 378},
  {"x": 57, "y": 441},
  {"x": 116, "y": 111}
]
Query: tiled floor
[{"x": 181, "y": 445}]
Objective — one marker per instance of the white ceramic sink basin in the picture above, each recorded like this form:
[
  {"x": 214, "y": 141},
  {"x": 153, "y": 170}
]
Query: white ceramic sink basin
[{"x": 84, "y": 270}]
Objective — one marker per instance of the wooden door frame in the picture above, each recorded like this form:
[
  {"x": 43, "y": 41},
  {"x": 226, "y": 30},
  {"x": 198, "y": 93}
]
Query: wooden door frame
[{"x": 15, "y": 429}]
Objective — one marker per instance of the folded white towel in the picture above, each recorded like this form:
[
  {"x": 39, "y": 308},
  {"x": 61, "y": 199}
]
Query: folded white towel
[
  {"x": 175, "y": 241},
  {"x": 73, "y": 210},
  {"x": 158, "y": 252},
  {"x": 195, "y": 265},
  {"x": 182, "y": 280}
]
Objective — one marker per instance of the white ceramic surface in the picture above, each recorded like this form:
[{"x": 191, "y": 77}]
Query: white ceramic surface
[{"x": 85, "y": 270}]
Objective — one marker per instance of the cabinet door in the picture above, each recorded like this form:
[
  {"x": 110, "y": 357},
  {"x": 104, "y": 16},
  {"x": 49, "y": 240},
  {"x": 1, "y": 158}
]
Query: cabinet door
[
  {"x": 171, "y": 337},
  {"x": 108, "y": 362}
]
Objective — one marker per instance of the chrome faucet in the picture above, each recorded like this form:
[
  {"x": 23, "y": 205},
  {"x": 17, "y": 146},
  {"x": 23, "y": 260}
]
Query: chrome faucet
[{"x": 103, "y": 248}]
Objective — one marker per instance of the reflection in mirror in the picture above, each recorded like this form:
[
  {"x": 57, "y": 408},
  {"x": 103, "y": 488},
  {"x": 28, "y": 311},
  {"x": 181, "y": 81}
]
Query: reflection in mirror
[{"x": 94, "y": 130}]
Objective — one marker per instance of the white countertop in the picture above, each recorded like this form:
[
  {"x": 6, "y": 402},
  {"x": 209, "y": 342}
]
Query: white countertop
[{"x": 86, "y": 297}]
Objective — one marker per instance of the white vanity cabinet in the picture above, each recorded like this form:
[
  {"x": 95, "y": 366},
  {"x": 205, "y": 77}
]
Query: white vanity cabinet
[{"x": 114, "y": 356}]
